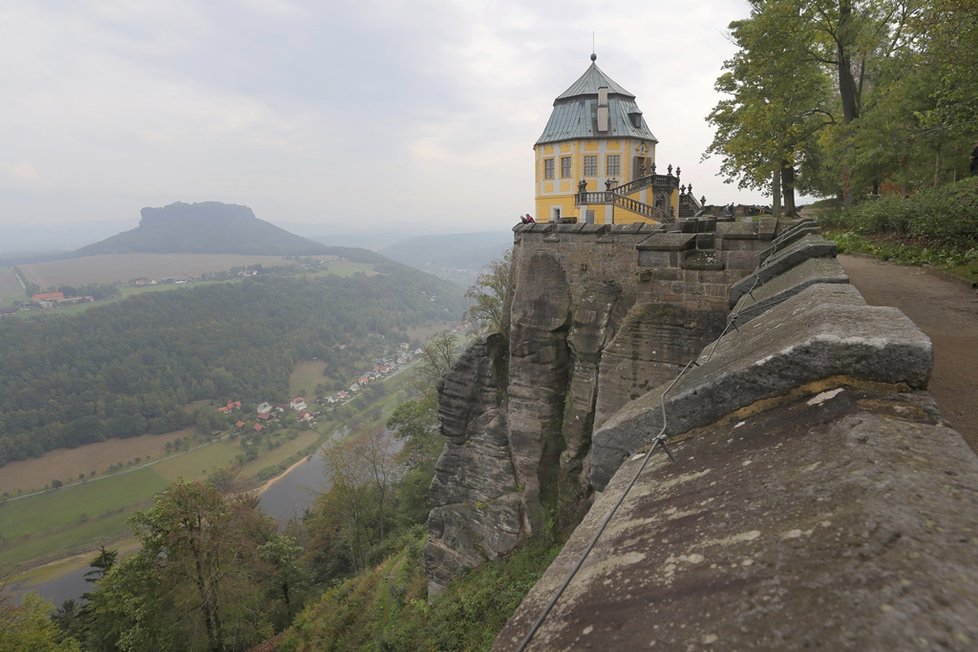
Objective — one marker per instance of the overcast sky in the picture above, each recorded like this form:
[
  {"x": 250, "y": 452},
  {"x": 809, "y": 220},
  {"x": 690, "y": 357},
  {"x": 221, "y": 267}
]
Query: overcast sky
[{"x": 355, "y": 114}]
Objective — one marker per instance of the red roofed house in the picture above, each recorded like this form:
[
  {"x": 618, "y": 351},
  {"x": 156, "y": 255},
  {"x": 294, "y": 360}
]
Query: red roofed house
[
  {"x": 258, "y": 427},
  {"x": 230, "y": 407},
  {"x": 48, "y": 296}
]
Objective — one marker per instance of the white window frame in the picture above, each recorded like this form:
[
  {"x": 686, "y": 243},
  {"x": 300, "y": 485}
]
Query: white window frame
[{"x": 590, "y": 165}]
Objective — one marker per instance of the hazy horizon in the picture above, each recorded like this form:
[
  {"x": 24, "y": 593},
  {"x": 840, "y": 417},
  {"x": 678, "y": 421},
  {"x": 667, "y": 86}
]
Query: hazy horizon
[{"x": 381, "y": 114}]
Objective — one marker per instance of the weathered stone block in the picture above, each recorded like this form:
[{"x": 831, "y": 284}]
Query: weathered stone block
[
  {"x": 781, "y": 260},
  {"x": 668, "y": 242},
  {"x": 791, "y": 282},
  {"x": 825, "y": 330},
  {"x": 842, "y": 522}
]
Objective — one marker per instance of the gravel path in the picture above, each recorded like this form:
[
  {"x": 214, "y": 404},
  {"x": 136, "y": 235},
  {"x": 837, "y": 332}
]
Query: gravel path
[{"x": 947, "y": 311}]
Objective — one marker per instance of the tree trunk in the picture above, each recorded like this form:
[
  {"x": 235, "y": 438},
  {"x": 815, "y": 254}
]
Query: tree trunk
[
  {"x": 788, "y": 187},
  {"x": 848, "y": 90},
  {"x": 847, "y": 83},
  {"x": 212, "y": 620},
  {"x": 776, "y": 193}
]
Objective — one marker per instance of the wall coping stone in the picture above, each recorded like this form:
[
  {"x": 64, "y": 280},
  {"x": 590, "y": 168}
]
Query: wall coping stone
[
  {"x": 843, "y": 521},
  {"x": 788, "y": 284},
  {"x": 808, "y": 246},
  {"x": 825, "y": 330},
  {"x": 667, "y": 242},
  {"x": 737, "y": 230}
]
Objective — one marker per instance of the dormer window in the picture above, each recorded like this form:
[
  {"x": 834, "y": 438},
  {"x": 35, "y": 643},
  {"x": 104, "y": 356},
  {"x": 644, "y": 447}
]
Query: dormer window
[
  {"x": 603, "y": 109},
  {"x": 636, "y": 118}
]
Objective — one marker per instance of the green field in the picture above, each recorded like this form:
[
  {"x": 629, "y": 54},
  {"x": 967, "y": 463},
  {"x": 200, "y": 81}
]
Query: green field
[
  {"x": 10, "y": 289},
  {"x": 305, "y": 378},
  {"x": 74, "y": 519},
  {"x": 77, "y": 519},
  {"x": 338, "y": 268}
]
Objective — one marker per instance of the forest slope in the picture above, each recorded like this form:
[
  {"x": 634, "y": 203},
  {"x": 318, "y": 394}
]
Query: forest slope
[{"x": 127, "y": 368}]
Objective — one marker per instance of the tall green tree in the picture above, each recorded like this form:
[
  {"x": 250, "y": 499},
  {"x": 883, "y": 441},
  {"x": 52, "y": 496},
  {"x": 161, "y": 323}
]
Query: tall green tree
[
  {"x": 852, "y": 93},
  {"x": 213, "y": 574},
  {"x": 489, "y": 295},
  {"x": 775, "y": 104},
  {"x": 27, "y": 627}
]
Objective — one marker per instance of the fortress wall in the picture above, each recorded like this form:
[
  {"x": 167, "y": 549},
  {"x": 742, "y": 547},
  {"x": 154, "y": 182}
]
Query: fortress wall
[
  {"x": 598, "y": 316},
  {"x": 817, "y": 498}
]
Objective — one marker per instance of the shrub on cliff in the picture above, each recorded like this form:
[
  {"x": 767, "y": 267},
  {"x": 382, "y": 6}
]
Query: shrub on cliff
[{"x": 385, "y": 608}]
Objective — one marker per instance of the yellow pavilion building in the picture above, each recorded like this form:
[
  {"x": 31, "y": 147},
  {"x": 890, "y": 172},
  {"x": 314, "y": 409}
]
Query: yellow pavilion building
[{"x": 595, "y": 161}]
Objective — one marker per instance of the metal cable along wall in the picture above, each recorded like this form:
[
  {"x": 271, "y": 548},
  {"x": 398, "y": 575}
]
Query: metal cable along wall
[{"x": 659, "y": 441}]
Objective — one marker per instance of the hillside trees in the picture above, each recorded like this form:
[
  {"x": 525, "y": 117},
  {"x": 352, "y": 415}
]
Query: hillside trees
[
  {"x": 128, "y": 368},
  {"x": 488, "y": 295},
  {"x": 26, "y": 627},
  {"x": 213, "y": 573},
  {"x": 891, "y": 81}
]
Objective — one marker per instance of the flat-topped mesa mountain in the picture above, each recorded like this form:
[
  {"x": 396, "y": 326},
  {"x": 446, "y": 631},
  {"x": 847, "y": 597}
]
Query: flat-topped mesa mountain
[{"x": 206, "y": 228}]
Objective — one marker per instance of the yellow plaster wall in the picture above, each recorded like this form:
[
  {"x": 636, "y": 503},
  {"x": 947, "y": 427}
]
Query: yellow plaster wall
[{"x": 560, "y": 191}]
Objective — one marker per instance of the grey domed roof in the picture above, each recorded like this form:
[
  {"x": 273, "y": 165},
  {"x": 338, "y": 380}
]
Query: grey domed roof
[{"x": 575, "y": 111}]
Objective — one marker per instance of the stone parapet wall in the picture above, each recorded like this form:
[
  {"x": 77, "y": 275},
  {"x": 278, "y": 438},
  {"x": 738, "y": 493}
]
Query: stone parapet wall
[{"x": 816, "y": 498}]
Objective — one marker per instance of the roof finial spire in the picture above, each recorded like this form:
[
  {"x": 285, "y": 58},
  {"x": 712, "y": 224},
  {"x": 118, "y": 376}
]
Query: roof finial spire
[{"x": 594, "y": 57}]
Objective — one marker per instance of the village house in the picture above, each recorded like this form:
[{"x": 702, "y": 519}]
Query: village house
[
  {"x": 265, "y": 406},
  {"x": 232, "y": 406},
  {"x": 298, "y": 403}
]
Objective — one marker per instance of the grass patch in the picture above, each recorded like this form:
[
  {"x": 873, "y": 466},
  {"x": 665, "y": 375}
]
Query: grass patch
[
  {"x": 9, "y": 285},
  {"x": 196, "y": 464},
  {"x": 57, "y": 509},
  {"x": 64, "y": 522},
  {"x": 306, "y": 377}
]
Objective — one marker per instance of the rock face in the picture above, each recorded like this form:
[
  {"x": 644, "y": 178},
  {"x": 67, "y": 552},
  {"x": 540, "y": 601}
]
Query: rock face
[
  {"x": 598, "y": 316},
  {"x": 476, "y": 513}
]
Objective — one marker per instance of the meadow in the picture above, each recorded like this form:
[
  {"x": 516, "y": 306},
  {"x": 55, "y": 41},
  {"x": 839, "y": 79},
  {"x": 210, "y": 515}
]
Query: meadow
[
  {"x": 66, "y": 522},
  {"x": 9, "y": 285},
  {"x": 66, "y": 464},
  {"x": 74, "y": 520},
  {"x": 306, "y": 376},
  {"x": 122, "y": 268}
]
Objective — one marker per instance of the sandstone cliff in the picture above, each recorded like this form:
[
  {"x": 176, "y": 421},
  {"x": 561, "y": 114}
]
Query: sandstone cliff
[{"x": 598, "y": 316}]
